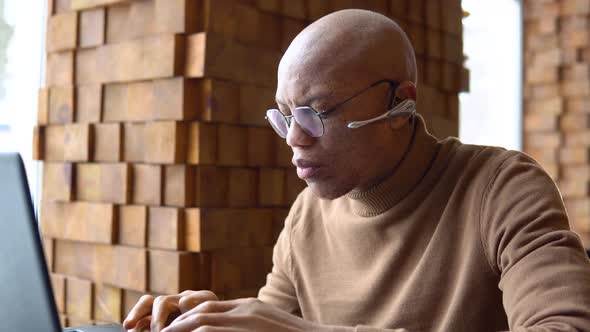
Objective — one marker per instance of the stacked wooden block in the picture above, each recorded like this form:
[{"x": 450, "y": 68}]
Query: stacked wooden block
[
  {"x": 557, "y": 99},
  {"x": 160, "y": 172}
]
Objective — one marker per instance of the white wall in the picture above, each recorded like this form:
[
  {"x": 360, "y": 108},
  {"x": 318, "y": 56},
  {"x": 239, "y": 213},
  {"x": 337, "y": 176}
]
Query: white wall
[
  {"x": 491, "y": 111},
  {"x": 21, "y": 79}
]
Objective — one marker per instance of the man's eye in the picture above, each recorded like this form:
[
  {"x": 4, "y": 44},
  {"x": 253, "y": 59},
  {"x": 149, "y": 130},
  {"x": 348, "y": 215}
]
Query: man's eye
[
  {"x": 286, "y": 111},
  {"x": 320, "y": 106}
]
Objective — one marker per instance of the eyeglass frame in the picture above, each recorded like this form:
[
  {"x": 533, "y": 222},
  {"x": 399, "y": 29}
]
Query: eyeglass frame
[{"x": 322, "y": 115}]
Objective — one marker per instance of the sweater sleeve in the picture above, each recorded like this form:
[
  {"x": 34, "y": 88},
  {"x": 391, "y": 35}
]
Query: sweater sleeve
[
  {"x": 544, "y": 273},
  {"x": 279, "y": 290}
]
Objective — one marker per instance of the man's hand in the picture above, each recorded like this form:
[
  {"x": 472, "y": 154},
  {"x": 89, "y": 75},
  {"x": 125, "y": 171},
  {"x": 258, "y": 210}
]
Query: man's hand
[
  {"x": 153, "y": 314},
  {"x": 242, "y": 315}
]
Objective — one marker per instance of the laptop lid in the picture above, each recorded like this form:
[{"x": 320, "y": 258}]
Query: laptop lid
[{"x": 26, "y": 297}]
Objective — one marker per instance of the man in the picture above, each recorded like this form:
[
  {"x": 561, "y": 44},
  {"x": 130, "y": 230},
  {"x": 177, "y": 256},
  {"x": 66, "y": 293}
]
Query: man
[{"x": 396, "y": 231}]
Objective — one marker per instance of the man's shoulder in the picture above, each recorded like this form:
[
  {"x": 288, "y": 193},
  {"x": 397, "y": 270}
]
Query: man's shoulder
[
  {"x": 487, "y": 156},
  {"x": 483, "y": 161}
]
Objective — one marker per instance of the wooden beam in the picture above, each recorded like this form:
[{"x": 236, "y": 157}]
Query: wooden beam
[
  {"x": 107, "y": 183},
  {"x": 261, "y": 147},
  {"x": 130, "y": 299},
  {"x": 293, "y": 186},
  {"x": 92, "y": 27},
  {"x": 79, "y": 298},
  {"x": 243, "y": 187},
  {"x": 88, "y": 103},
  {"x": 209, "y": 55},
  {"x": 87, "y": 68},
  {"x": 78, "y": 142},
  {"x": 88, "y": 4},
  {"x": 254, "y": 102},
  {"x": 234, "y": 269},
  {"x": 202, "y": 143},
  {"x": 160, "y": 56},
  {"x": 218, "y": 100},
  {"x": 212, "y": 186},
  {"x": 271, "y": 25},
  {"x": 59, "y": 6},
  {"x": 48, "y": 250},
  {"x": 175, "y": 99},
  {"x": 133, "y": 142},
  {"x": 60, "y": 68},
  {"x": 108, "y": 139},
  {"x": 171, "y": 272},
  {"x": 133, "y": 225},
  {"x": 43, "y": 107},
  {"x": 166, "y": 99},
  {"x": 128, "y": 102},
  {"x": 62, "y": 32},
  {"x": 79, "y": 221},
  {"x": 165, "y": 142},
  {"x": 147, "y": 184},
  {"x": 179, "y": 185},
  {"x": 120, "y": 266},
  {"x": 54, "y": 143},
  {"x": 214, "y": 229},
  {"x": 58, "y": 179},
  {"x": 166, "y": 228},
  {"x": 271, "y": 187},
  {"x": 38, "y": 143},
  {"x": 232, "y": 20},
  {"x": 58, "y": 284},
  {"x": 177, "y": 16},
  {"x": 108, "y": 303},
  {"x": 233, "y": 144}
]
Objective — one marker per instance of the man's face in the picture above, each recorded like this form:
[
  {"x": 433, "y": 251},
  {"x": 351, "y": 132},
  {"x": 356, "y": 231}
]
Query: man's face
[{"x": 343, "y": 159}]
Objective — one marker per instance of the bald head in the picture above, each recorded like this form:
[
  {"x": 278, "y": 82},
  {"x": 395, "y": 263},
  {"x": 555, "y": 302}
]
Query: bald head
[
  {"x": 328, "y": 62},
  {"x": 350, "y": 45}
]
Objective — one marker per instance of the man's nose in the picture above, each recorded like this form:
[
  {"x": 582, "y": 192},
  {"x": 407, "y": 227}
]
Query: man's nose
[{"x": 297, "y": 137}]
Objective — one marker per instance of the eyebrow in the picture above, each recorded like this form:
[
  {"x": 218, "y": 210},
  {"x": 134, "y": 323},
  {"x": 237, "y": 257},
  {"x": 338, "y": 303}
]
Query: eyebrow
[{"x": 307, "y": 101}]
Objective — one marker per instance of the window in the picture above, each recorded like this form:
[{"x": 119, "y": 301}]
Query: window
[
  {"x": 491, "y": 111},
  {"x": 22, "y": 44}
]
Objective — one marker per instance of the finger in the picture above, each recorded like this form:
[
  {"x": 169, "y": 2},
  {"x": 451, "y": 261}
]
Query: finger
[
  {"x": 199, "y": 320},
  {"x": 207, "y": 328},
  {"x": 142, "y": 308},
  {"x": 142, "y": 325},
  {"x": 163, "y": 307},
  {"x": 212, "y": 307},
  {"x": 193, "y": 299}
]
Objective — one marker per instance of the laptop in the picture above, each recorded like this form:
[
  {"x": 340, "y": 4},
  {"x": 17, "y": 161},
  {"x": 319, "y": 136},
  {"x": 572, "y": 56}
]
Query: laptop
[{"x": 26, "y": 296}]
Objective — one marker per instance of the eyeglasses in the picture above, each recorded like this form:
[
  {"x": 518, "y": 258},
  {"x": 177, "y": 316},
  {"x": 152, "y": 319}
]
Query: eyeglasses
[{"x": 311, "y": 121}]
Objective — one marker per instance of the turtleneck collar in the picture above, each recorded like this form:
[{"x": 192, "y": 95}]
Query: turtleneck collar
[{"x": 405, "y": 176}]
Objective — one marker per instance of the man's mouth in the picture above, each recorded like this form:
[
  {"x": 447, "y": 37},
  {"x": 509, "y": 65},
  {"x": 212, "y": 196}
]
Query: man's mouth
[{"x": 306, "y": 169}]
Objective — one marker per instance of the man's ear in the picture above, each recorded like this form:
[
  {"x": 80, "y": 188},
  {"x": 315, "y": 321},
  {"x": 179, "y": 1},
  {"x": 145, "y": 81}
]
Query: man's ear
[
  {"x": 399, "y": 122},
  {"x": 406, "y": 90}
]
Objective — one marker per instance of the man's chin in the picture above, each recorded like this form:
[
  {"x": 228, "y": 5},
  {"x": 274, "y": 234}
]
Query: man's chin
[{"x": 325, "y": 191}]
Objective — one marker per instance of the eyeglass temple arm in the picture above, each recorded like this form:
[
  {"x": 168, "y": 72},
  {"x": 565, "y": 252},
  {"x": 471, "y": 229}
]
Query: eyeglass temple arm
[
  {"x": 407, "y": 107},
  {"x": 393, "y": 84}
]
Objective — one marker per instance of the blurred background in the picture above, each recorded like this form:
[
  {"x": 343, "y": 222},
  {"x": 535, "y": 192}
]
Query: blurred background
[
  {"x": 491, "y": 113},
  {"x": 141, "y": 125}
]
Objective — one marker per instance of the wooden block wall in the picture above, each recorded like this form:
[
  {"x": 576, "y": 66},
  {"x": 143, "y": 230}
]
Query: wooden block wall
[
  {"x": 161, "y": 173},
  {"x": 556, "y": 120}
]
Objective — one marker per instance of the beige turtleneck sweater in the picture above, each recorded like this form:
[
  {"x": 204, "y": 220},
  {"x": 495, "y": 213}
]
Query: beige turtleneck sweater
[{"x": 459, "y": 238}]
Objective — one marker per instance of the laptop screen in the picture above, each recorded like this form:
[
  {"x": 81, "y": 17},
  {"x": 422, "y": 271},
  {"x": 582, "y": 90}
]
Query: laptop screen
[{"x": 26, "y": 298}]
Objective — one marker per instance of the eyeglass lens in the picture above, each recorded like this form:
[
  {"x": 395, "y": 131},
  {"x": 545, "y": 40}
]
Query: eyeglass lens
[
  {"x": 306, "y": 118},
  {"x": 278, "y": 122}
]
